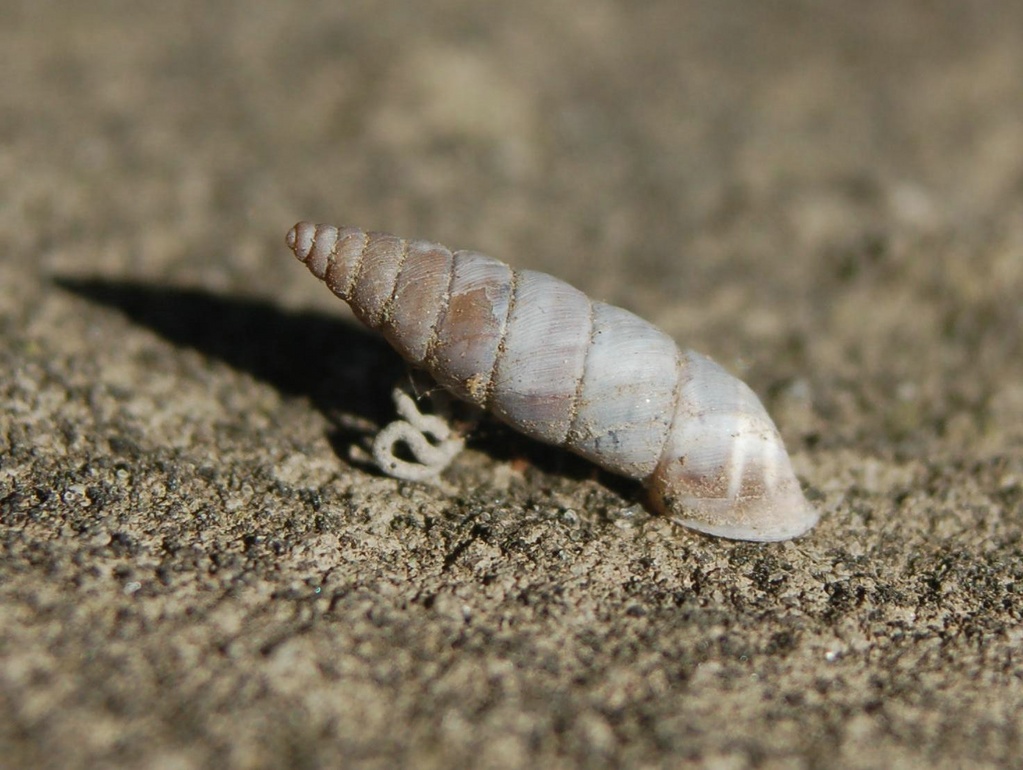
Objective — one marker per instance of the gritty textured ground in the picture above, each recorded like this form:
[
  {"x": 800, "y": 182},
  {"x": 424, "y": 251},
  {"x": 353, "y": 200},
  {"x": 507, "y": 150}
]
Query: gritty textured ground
[{"x": 827, "y": 197}]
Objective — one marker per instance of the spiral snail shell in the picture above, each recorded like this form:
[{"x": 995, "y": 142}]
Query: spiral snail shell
[{"x": 559, "y": 367}]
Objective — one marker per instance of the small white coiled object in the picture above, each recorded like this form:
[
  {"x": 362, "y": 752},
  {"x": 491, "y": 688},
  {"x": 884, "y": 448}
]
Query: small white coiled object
[{"x": 598, "y": 380}]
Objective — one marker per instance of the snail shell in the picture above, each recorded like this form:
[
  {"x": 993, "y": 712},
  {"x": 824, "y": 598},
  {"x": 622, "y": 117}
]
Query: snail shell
[{"x": 552, "y": 363}]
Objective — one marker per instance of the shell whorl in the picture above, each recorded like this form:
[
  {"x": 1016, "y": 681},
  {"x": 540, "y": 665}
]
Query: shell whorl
[{"x": 564, "y": 369}]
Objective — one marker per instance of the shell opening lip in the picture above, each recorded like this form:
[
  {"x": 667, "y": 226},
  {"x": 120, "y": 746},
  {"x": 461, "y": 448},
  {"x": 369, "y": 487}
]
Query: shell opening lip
[
  {"x": 798, "y": 519},
  {"x": 742, "y": 533}
]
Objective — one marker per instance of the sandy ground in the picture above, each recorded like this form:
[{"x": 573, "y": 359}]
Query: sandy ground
[{"x": 826, "y": 197}]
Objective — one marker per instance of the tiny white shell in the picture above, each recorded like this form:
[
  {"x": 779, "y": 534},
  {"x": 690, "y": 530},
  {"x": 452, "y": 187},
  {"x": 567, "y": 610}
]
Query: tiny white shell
[{"x": 562, "y": 368}]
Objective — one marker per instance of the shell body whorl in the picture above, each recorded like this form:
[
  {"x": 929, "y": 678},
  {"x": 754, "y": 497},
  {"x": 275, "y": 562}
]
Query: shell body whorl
[{"x": 564, "y": 369}]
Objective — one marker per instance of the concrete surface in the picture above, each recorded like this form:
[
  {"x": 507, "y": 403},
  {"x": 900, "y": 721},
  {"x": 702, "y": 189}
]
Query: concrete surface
[{"x": 827, "y": 197}]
